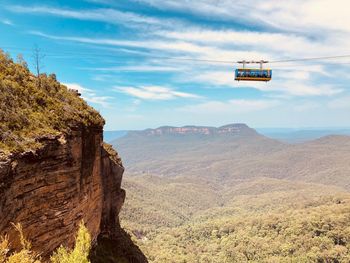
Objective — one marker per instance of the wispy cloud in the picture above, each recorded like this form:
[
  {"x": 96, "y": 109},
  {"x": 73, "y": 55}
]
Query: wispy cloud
[
  {"x": 90, "y": 95},
  {"x": 154, "y": 93},
  {"x": 141, "y": 68},
  {"x": 102, "y": 77},
  {"x": 297, "y": 84},
  {"x": 273, "y": 44},
  {"x": 236, "y": 106},
  {"x": 306, "y": 106},
  {"x": 107, "y": 15},
  {"x": 297, "y": 15},
  {"x": 340, "y": 103},
  {"x": 176, "y": 47},
  {"x": 251, "y": 30},
  {"x": 7, "y": 22},
  {"x": 192, "y": 40}
]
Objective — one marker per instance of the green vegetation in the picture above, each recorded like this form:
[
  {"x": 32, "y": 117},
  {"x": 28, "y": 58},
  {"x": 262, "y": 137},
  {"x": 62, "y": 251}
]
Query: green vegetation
[
  {"x": 288, "y": 222},
  {"x": 79, "y": 254},
  {"x": 112, "y": 153},
  {"x": 317, "y": 234},
  {"x": 226, "y": 159},
  {"x": 237, "y": 199},
  {"x": 29, "y": 112},
  {"x": 23, "y": 256}
]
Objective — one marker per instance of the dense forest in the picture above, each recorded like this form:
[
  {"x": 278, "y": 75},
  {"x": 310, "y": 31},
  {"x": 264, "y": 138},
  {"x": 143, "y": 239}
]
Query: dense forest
[
  {"x": 236, "y": 196},
  {"x": 307, "y": 225}
]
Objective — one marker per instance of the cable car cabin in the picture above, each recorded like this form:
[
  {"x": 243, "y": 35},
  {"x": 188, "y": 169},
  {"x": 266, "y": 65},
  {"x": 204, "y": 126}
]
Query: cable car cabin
[{"x": 250, "y": 74}]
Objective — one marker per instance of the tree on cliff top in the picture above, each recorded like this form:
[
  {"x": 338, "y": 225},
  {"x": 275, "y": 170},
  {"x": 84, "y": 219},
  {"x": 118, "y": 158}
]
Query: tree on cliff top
[
  {"x": 29, "y": 112},
  {"x": 37, "y": 58}
]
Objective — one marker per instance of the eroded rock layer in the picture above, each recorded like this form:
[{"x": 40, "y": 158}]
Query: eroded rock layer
[{"x": 72, "y": 178}]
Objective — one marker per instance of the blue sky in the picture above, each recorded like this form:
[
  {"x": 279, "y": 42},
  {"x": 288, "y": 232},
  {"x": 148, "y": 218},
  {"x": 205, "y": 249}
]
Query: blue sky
[{"x": 115, "y": 53}]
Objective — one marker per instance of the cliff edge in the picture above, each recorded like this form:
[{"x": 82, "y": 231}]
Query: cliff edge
[{"x": 55, "y": 170}]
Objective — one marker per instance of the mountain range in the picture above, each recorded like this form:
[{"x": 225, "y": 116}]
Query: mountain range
[
  {"x": 234, "y": 153},
  {"x": 189, "y": 180},
  {"x": 288, "y": 135}
]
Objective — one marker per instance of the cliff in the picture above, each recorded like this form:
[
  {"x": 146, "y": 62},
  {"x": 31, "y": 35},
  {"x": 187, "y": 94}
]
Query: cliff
[{"x": 55, "y": 169}]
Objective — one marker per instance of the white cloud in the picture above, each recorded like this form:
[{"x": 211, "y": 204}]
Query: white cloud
[
  {"x": 340, "y": 103},
  {"x": 299, "y": 15},
  {"x": 306, "y": 106},
  {"x": 316, "y": 15},
  {"x": 300, "y": 88},
  {"x": 7, "y": 22},
  {"x": 286, "y": 43},
  {"x": 116, "y": 42},
  {"x": 154, "y": 93},
  {"x": 141, "y": 68},
  {"x": 298, "y": 37},
  {"x": 102, "y": 77},
  {"x": 182, "y": 49},
  {"x": 89, "y": 95},
  {"x": 309, "y": 17},
  {"x": 218, "y": 9},
  {"x": 293, "y": 84},
  {"x": 107, "y": 15},
  {"x": 226, "y": 45},
  {"x": 234, "y": 106},
  {"x": 75, "y": 86},
  {"x": 308, "y": 89}
]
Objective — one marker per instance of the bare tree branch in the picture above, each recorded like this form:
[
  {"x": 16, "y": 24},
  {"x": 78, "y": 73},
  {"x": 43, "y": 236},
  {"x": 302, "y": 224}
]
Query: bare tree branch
[{"x": 37, "y": 61}]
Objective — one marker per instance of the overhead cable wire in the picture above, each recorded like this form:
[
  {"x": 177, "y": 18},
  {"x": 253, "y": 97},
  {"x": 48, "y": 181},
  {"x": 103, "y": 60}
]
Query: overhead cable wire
[
  {"x": 94, "y": 55},
  {"x": 309, "y": 59}
]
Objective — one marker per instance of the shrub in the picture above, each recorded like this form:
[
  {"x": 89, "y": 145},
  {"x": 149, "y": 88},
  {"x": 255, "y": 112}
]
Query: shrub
[
  {"x": 28, "y": 112},
  {"x": 25, "y": 255},
  {"x": 79, "y": 254}
]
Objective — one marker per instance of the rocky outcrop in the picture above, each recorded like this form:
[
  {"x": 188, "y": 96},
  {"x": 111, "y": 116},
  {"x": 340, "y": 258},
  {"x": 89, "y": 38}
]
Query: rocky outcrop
[
  {"x": 71, "y": 178},
  {"x": 113, "y": 195},
  {"x": 55, "y": 170}
]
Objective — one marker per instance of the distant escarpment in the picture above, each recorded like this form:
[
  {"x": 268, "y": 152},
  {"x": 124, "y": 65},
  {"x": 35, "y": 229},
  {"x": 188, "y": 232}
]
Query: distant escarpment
[
  {"x": 234, "y": 153},
  {"x": 231, "y": 129},
  {"x": 55, "y": 170}
]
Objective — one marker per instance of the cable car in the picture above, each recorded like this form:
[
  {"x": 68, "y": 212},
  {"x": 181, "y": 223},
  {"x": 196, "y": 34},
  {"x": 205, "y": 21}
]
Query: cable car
[{"x": 253, "y": 74}]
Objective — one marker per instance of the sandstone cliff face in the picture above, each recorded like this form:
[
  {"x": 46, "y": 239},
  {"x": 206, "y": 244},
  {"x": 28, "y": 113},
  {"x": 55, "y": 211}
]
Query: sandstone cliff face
[{"x": 72, "y": 178}]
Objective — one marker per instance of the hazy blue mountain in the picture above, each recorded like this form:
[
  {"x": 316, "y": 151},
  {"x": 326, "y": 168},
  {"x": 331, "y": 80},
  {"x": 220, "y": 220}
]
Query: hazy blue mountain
[
  {"x": 290, "y": 135},
  {"x": 109, "y": 136},
  {"x": 199, "y": 192},
  {"x": 233, "y": 153}
]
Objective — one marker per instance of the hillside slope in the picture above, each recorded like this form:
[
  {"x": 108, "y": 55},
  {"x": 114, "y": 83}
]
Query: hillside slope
[
  {"x": 198, "y": 153},
  {"x": 200, "y": 196},
  {"x": 232, "y": 157},
  {"x": 264, "y": 220}
]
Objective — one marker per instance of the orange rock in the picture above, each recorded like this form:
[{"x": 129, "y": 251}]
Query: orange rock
[{"x": 50, "y": 191}]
